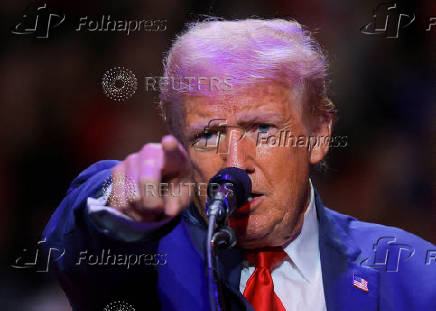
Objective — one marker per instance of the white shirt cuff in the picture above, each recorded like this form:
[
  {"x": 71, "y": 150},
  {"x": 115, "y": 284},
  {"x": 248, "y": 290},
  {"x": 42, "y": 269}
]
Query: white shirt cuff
[{"x": 113, "y": 223}]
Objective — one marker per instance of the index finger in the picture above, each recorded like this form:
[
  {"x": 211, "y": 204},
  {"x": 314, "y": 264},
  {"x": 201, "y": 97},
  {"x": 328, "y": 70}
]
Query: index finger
[{"x": 176, "y": 160}]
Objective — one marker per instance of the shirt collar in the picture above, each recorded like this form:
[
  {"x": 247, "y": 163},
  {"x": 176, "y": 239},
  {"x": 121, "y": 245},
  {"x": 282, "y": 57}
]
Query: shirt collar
[{"x": 303, "y": 251}]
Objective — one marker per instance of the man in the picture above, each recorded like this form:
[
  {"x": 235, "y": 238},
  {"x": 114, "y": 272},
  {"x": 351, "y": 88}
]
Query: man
[{"x": 124, "y": 242}]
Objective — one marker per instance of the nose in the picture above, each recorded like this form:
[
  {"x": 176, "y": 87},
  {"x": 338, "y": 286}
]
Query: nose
[{"x": 238, "y": 152}]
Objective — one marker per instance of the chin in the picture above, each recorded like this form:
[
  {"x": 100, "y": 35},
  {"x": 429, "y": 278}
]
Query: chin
[
  {"x": 251, "y": 233},
  {"x": 252, "y": 244}
]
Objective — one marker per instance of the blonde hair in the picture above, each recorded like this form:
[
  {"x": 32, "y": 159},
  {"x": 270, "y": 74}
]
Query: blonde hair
[{"x": 248, "y": 51}]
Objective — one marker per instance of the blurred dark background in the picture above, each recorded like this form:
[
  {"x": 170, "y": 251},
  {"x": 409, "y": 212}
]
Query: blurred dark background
[{"x": 56, "y": 120}]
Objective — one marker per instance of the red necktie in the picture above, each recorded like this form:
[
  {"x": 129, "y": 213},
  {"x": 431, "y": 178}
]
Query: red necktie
[{"x": 259, "y": 290}]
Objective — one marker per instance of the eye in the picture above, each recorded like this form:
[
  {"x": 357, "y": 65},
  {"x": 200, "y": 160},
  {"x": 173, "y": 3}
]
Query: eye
[
  {"x": 256, "y": 130},
  {"x": 206, "y": 140},
  {"x": 206, "y": 136},
  {"x": 264, "y": 128}
]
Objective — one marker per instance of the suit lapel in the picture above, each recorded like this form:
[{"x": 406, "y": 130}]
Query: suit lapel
[{"x": 339, "y": 264}]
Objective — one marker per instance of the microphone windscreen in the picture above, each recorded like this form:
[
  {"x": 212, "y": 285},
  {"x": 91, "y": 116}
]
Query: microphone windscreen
[{"x": 240, "y": 180}]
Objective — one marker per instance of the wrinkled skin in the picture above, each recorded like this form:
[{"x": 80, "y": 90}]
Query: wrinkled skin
[{"x": 279, "y": 174}]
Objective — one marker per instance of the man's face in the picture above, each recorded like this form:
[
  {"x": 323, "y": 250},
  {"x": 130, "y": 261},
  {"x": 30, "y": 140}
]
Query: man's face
[{"x": 279, "y": 174}]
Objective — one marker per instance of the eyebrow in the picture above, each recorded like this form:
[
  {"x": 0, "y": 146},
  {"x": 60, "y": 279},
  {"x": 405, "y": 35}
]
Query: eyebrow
[
  {"x": 260, "y": 117},
  {"x": 245, "y": 119},
  {"x": 212, "y": 123}
]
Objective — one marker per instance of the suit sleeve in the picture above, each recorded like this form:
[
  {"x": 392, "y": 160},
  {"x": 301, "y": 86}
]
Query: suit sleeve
[
  {"x": 97, "y": 267},
  {"x": 122, "y": 227}
]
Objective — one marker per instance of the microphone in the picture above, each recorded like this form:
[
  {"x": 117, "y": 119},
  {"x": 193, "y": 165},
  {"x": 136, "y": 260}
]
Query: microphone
[{"x": 226, "y": 192}]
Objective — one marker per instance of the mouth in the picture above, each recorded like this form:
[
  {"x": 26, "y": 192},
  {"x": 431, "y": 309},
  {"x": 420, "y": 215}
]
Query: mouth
[{"x": 253, "y": 200}]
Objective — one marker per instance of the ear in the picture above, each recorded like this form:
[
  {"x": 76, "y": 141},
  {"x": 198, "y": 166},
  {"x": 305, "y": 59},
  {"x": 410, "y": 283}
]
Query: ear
[{"x": 321, "y": 131}]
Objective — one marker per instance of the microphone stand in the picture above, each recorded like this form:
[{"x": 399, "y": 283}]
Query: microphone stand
[{"x": 219, "y": 236}]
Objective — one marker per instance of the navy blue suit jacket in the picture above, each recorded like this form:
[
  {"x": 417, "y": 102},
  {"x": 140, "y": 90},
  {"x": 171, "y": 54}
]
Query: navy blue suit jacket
[{"x": 400, "y": 268}]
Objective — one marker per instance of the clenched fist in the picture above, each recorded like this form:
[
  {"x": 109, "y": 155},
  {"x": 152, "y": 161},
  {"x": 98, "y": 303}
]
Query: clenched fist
[{"x": 136, "y": 179}]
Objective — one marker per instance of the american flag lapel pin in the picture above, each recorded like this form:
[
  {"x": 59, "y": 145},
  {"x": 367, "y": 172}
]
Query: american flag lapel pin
[{"x": 360, "y": 283}]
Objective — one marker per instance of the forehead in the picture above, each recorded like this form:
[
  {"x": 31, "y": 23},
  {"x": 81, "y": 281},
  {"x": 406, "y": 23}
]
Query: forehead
[{"x": 267, "y": 99}]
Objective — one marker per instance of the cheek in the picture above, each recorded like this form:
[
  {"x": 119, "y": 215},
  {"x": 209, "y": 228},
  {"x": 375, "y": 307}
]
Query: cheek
[
  {"x": 281, "y": 164},
  {"x": 285, "y": 171}
]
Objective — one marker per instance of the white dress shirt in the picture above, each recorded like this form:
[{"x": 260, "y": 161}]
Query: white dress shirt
[{"x": 297, "y": 280}]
